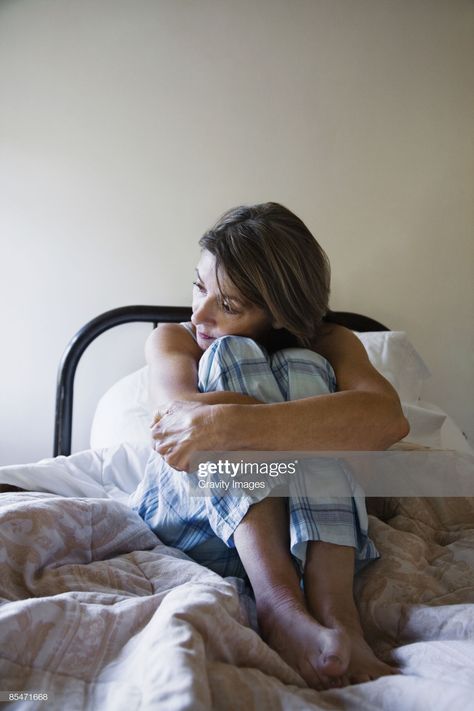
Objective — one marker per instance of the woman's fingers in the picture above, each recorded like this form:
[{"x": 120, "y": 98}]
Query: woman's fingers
[
  {"x": 162, "y": 447},
  {"x": 177, "y": 430},
  {"x": 160, "y": 429},
  {"x": 156, "y": 433},
  {"x": 173, "y": 454},
  {"x": 160, "y": 412},
  {"x": 175, "y": 460}
]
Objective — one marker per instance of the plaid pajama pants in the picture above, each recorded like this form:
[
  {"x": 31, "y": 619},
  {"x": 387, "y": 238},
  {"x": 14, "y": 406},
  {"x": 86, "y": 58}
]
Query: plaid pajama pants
[{"x": 203, "y": 526}]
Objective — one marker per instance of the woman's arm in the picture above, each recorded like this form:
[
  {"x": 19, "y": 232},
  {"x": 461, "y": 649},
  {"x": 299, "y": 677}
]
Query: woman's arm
[
  {"x": 364, "y": 414},
  {"x": 173, "y": 356}
]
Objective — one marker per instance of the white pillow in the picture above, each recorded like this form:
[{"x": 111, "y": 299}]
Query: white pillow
[
  {"x": 392, "y": 354},
  {"x": 123, "y": 413}
]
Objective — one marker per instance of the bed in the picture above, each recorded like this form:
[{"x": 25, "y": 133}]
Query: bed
[{"x": 97, "y": 613}]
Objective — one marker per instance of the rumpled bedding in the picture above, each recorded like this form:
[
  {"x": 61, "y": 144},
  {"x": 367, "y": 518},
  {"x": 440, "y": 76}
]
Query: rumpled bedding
[{"x": 99, "y": 614}]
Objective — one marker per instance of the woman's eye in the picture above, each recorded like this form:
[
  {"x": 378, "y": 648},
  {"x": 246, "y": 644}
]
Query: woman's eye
[
  {"x": 228, "y": 309},
  {"x": 198, "y": 286}
]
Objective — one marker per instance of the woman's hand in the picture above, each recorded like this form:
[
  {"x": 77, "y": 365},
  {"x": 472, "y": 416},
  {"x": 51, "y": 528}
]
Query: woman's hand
[{"x": 181, "y": 428}]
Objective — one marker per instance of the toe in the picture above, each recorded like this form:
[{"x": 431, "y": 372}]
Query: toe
[
  {"x": 331, "y": 665},
  {"x": 311, "y": 676}
]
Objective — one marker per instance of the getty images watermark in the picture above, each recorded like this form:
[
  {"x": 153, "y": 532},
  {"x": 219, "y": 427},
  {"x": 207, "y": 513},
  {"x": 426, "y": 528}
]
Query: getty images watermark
[
  {"x": 241, "y": 475},
  {"x": 332, "y": 474}
]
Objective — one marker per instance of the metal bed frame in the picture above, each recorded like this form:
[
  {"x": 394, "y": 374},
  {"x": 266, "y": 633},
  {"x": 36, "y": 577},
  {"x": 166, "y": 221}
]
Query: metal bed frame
[{"x": 151, "y": 314}]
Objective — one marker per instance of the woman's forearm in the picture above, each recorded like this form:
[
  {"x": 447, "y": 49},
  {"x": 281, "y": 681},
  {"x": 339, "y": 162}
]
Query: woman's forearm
[
  {"x": 220, "y": 397},
  {"x": 349, "y": 420}
]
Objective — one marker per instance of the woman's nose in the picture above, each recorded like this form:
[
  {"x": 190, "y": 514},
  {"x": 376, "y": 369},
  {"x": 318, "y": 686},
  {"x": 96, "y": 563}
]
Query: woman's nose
[{"x": 204, "y": 311}]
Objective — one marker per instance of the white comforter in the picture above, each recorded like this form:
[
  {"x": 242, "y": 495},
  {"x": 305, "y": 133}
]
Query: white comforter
[{"x": 98, "y": 614}]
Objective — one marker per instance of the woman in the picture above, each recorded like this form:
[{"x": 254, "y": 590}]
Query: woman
[{"x": 263, "y": 281}]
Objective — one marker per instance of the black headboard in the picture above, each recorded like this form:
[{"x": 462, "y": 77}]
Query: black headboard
[{"x": 154, "y": 315}]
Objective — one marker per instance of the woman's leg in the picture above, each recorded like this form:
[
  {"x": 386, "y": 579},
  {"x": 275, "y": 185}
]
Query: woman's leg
[
  {"x": 259, "y": 531},
  {"x": 319, "y": 654},
  {"x": 329, "y": 536},
  {"x": 203, "y": 526},
  {"x": 318, "y": 649},
  {"x": 240, "y": 365},
  {"x": 328, "y": 586}
]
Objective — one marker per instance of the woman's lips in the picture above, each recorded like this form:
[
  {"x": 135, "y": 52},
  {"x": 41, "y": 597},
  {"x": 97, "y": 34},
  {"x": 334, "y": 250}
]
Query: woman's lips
[{"x": 204, "y": 336}]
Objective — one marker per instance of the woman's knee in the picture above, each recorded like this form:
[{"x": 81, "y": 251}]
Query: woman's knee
[
  {"x": 302, "y": 355},
  {"x": 238, "y": 364},
  {"x": 235, "y": 347},
  {"x": 226, "y": 352},
  {"x": 305, "y": 372}
]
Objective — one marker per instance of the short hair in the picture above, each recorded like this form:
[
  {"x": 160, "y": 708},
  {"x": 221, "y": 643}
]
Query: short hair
[{"x": 272, "y": 258}]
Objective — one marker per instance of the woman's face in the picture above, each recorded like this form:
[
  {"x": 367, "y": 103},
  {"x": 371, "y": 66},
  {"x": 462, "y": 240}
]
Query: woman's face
[{"x": 223, "y": 312}]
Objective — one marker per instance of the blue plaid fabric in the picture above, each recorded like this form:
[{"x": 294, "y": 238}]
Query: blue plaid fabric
[{"x": 203, "y": 527}]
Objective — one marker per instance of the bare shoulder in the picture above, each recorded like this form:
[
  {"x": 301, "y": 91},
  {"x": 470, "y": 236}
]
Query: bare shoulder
[
  {"x": 337, "y": 343},
  {"x": 349, "y": 360},
  {"x": 171, "y": 338}
]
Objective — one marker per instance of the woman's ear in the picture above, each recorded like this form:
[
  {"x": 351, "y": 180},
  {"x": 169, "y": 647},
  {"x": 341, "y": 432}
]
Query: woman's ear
[{"x": 276, "y": 324}]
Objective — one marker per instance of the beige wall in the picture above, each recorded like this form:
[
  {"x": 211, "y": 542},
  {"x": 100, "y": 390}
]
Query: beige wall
[{"x": 127, "y": 127}]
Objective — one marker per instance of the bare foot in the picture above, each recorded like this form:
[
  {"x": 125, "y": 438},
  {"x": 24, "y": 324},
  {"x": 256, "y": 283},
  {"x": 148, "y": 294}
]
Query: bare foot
[
  {"x": 319, "y": 654},
  {"x": 364, "y": 665}
]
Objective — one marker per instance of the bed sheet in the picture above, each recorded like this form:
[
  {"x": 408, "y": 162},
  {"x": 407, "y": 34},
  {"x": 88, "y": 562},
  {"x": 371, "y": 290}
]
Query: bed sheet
[{"x": 99, "y": 614}]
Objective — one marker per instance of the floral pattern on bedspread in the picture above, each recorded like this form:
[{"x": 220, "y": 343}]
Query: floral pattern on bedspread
[
  {"x": 101, "y": 615},
  {"x": 423, "y": 585}
]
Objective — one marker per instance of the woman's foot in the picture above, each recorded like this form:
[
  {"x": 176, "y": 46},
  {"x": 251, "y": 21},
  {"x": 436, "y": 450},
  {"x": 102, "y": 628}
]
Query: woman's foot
[
  {"x": 326, "y": 656},
  {"x": 363, "y": 665},
  {"x": 319, "y": 654},
  {"x": 328, "y": 582}
]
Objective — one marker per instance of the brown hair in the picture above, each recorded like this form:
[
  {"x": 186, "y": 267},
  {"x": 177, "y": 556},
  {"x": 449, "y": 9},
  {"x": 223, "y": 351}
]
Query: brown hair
[{"x": 275, "y": 262}]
